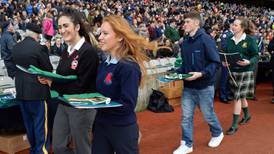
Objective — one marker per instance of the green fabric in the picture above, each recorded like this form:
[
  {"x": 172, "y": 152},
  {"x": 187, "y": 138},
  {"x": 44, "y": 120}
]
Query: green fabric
[
  {"x": 246, "y": 113},
  {"x": 177, "y": 76},
  {"x": 54, "y": 94},
  {"x": 40, "y": 72},
  {"x": 235, "y": 120},
  {"x": 7, "y": 101},
  {"x": 248, "y": 49},
  {"x": 178, "y": 62},
  {"x": 172, "y": 34},
  {"x": 86, "y": 95}
]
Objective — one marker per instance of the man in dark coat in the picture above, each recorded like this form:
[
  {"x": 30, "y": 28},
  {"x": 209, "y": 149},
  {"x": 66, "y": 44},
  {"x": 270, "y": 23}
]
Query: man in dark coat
[
  {"x": 7, "y": 42},
  {"x": 30, "y": 93}
]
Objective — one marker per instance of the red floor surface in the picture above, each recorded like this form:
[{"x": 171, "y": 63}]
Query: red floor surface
[{"x": 161, "y": 132}]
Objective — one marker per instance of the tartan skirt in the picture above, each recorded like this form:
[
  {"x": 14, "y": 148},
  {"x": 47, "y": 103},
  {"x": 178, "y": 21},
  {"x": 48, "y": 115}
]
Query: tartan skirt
[{"x": 243, "y": 85}]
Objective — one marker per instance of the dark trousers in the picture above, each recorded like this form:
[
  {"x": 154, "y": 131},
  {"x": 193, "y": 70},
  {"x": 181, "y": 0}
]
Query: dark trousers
[
  {"x": 272, "y": 67},
  {"x": 224, "y": 90},
  {"x": 52, "y": 108},
  {"x": 35, "y": 120},
  {"x": 71, "y": 124},
  {"x": 120, "y": 139}
]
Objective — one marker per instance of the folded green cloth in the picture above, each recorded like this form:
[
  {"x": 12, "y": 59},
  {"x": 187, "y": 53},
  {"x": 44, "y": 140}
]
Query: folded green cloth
[
  {"x": 54, "y": 94},
  {"x": 178, "y": 62},
  {"x": 94, "y": 98},
  {"x": 177, "y": 76},
  {"x": 7, "y": 100},
  {"x": 51, "y": 75}
]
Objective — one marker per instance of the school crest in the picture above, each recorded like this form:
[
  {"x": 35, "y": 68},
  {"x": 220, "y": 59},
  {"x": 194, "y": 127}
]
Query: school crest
[
  {"x": 74, "y": 63},
  {"x": 244, "y": 45}
]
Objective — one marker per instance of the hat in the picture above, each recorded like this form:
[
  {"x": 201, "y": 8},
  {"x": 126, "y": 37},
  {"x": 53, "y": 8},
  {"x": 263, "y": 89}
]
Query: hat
[
  {"x": 5, "y": 24},
  {"x": 34, "y": 27}
]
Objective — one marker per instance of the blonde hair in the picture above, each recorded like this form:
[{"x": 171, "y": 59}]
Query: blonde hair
[{"x": 132, "y": 46}]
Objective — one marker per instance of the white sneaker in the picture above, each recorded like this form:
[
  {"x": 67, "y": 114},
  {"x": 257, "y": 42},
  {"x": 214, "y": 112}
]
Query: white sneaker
[
  {"x": 183, "y": 149},
  {"x": 216, "y": 141}
]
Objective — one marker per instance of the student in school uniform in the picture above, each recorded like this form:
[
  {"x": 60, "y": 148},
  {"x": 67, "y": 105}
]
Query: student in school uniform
[
  {"x": 242, "y": 80},
  {"x": 119, "y": 76},
  {"x": 80, "y": 59}
]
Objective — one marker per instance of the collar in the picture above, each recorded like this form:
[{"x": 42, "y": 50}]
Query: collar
[
  {"x": 242, "y": 38},
  {"x": 198, "y": 33},
  {"x": 77, "y": 46},
  {"x": 111, "y": 60}
]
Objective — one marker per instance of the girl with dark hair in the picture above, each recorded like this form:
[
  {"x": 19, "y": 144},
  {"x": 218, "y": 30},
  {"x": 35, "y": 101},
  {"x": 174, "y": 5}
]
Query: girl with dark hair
[
  {"x": 73, "y": 125},
  {"x": 242, "y": 76}
]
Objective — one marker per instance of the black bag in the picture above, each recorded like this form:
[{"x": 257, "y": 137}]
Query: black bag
[{"x": 158, "y": 102}]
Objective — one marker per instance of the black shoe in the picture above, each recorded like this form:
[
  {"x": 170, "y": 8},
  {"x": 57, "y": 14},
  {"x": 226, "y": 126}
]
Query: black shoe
[
  {"x": 224, "y": 100},
  {"x": 231, "y": 131},
  {"x": 244, "y": 121}
]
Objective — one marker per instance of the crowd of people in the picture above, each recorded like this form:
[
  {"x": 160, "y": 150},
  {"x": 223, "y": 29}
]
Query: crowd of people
[{"x": 104, "y": 43}]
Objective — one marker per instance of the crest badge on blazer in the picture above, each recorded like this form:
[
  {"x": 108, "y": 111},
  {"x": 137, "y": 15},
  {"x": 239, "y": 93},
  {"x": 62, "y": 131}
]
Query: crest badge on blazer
[
  {"x": 244, "y": 45},
  {"x": 74, "y": 63}
]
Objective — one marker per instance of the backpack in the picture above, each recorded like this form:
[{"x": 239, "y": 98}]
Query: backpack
[{"x": 158, "y": 102}]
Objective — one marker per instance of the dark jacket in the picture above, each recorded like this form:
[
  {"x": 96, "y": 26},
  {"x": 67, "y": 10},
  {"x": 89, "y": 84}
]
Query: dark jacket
[
  {"x": 271, "y": 46},
  {"x": 199, "y": 54},
  {"x": 118, "y": 81},
  {"x": 29, "y": 52},
  {"x": 6, "y": 43},
  {"x": 82, "y": 63},
  {"x": 58, "y": 50}
]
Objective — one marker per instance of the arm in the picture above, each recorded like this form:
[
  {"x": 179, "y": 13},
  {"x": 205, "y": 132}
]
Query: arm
[
  {"x": 253, "y": 51},
  {"x": 212, "y": 58}
]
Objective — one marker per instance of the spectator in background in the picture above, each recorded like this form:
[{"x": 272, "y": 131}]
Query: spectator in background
[
  {"x": 225, "y": 94},
  {"x": 171, "y": 31},
  {"x": 6, "y": 43},
  {"x": 48, "y": 29},
  {"x": 152, "y": 31}
]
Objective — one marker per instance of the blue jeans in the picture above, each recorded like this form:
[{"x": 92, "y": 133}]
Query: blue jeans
[{"x": 204, "y": 99}]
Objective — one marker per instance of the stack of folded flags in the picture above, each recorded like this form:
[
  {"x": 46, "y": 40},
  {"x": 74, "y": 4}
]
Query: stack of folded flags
[
  {"x": 7, "y": 100},
  {"x": 91, "y": 98},
  {"x": 177, "y": 76}
]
